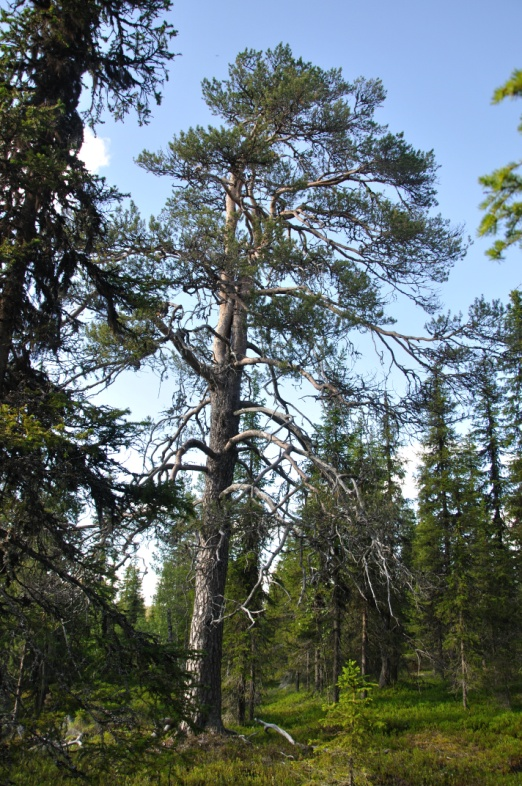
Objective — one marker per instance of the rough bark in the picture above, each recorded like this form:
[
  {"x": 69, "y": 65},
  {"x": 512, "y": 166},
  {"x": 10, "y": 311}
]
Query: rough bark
[{"x": 206, "y": 632}]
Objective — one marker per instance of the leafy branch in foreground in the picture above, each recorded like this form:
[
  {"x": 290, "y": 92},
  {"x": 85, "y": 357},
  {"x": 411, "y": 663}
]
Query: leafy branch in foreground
[{"x": 503, "y": 189}]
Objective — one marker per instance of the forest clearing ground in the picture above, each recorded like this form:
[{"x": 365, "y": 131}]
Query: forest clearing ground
[{"x": 426, "y": 739}]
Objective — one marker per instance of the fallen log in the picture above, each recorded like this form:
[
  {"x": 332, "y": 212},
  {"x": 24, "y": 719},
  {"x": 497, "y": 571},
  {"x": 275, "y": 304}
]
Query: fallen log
[{"x": 279, "y": 730}]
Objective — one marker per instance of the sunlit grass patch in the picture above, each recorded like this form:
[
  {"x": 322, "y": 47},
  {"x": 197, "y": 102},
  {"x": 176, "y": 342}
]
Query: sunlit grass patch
[{"x": 298, "y": 712}]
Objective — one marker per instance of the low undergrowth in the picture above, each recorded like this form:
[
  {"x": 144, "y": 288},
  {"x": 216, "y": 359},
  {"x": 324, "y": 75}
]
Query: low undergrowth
[{"x": 413, "y": 735}]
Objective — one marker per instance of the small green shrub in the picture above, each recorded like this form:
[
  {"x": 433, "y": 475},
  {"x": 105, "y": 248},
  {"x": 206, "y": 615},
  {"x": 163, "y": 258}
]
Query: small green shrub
[{"x": 352, "y": 719}]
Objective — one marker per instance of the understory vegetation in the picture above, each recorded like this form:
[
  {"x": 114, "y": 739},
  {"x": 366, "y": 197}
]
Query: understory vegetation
[{"x": 416, "y": 734}]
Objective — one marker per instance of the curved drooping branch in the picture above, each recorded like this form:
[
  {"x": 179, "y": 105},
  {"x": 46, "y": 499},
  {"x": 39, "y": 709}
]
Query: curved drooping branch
[
  {"x": 179, "y": 341},
  {"x": 288, "y": 522},
  {"x": 281, "y": 418},
  {"x": 187, "y": 417},
  {"x": 190, "y": 444}
]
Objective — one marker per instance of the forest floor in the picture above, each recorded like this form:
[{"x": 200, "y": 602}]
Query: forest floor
[{"x": 421, "y": 736}]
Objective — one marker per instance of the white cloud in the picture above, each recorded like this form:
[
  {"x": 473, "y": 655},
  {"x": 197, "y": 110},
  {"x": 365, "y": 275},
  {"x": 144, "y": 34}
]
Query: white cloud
[{"x": 95, "y": 151}]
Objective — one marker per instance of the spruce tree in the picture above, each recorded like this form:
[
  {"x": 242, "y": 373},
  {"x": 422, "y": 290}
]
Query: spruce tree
[
  {"x": 513, "y": 409},
  {"x": 456, "y": 545},
  {"x": 65, "y": 505},
  {"x": 299, "y": 618},
  {"x": 245, "y": 631},
  {"x": 53, "y": 214},
  {"x": 171, "y": 607},
  {"x": 493, "y": 432},
  {"x": 466, "y": 586},
  {"x": 130, "y": 596},
  {"x": 433, "y": 534},
  {"x": 488, "y": 432},
  {"x": 359, "y": 540}
]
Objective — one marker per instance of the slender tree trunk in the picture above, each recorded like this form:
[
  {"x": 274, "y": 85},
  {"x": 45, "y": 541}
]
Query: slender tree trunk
[
  {"x": 336, "y": 665},
  {"x": 440, "y": 666},
  {"x": 241, "y": 697},
  {"x": 252, "y": 687},
  {"x": 364, "y": 645},
  {"x": 18, "y": 695},
  {"x": 464, "y": 670},
  {"x": 364, "y": 641},
  {"x": 389, "y": 654},
  {"x": 43, "y": 682},
  {"x": 385, "y": 674},
  {"x": 463, "y": 665},
  {"x": 170, "y": 631},
  {"x": 317, "y": 674}
]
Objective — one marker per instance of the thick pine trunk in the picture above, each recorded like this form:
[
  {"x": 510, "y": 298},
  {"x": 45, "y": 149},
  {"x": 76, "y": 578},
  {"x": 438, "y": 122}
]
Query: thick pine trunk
[{"x": 206, "y": 633}]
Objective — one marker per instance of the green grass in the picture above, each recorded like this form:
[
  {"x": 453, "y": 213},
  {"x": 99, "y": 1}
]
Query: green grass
[{"x": 426, "y": 739}]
